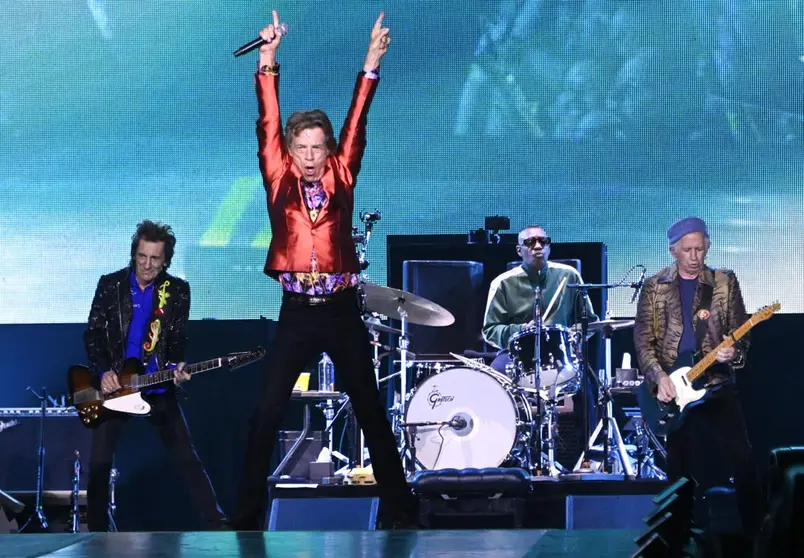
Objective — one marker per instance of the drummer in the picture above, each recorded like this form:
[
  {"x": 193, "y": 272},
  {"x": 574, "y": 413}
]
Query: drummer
[{"x": 510, "y": 306}]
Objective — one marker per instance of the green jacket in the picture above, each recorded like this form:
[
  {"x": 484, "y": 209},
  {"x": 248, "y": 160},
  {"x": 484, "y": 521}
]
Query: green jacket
[{"x": 510, "y": 302}]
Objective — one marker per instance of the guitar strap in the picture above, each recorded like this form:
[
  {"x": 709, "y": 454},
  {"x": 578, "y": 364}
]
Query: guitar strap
[{"x": 702, "y": 317}]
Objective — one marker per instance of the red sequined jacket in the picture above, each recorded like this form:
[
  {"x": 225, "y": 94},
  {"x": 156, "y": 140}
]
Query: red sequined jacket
[{"x": 294, "y": 234}]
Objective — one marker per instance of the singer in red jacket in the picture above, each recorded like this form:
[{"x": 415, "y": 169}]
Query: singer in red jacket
[{"x": 309, "y": 180}]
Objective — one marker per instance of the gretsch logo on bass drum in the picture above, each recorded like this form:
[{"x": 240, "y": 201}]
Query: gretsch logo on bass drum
[{"x": 436, "y": 398}]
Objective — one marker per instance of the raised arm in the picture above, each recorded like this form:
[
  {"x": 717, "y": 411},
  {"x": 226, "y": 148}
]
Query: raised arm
[
  {"x": 378, "y": 45},
  {"x": 269, "y": 125},
  {"x": 352, "y": 141}
]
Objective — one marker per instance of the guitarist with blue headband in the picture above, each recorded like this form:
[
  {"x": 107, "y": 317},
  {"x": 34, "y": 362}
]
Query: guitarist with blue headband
[{"x": 690, "y": 337}]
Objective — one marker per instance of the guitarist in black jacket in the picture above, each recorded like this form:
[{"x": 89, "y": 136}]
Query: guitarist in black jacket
[
  {"x": 684, "y": 312},
  {"x": 141, "y": 311}
]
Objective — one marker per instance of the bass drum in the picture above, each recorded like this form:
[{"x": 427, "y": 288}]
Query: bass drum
[{"x": 495, "y": 415}]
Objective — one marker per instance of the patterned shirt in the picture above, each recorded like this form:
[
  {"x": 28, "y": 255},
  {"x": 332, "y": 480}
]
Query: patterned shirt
[{"x": 312, "y": 282}]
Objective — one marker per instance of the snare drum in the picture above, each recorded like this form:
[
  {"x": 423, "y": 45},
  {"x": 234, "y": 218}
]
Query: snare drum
[
  {"x": 496, "y": 416},
  {"x": 559, "y": 365}
]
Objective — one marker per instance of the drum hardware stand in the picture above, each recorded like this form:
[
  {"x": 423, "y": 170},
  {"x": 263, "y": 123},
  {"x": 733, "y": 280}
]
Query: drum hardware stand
[
  {"x": 538, "y": 467},
  {"x": 330, "y": 416},
  {"x": 399, "y": 408},
  {"x": 410, "y": 442},
  {"x": 647, "y": 443},
  {"x": 551, "y": 467},
  {"x": 368, "y": 219},
  {"x": 607, "y": 423},
  {"x": 114, "y": 474},
  {"x": 410, "y": 436},
  {"x": 644, "y": 438},
  {"x": 362, "y": 241},
  {"x": 409, "y": 445},
  {"x": 40, "y": 468}
]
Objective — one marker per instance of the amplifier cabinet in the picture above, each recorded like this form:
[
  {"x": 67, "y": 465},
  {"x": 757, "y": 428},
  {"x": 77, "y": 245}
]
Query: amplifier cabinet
[{"x": 19, "y": 449}]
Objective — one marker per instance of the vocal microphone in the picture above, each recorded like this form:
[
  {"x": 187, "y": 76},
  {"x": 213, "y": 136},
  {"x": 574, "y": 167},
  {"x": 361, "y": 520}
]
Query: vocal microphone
[
  {"x": 282, "y": 30},
  {"x": 638, "y": 285}
]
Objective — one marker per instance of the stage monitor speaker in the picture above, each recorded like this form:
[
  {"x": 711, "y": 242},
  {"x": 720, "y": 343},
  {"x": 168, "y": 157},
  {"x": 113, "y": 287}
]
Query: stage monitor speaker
[
  {"x": 608, "y": 512},
  {"x": 458, "y": 287},
  {"x": 323, "y": 514}
]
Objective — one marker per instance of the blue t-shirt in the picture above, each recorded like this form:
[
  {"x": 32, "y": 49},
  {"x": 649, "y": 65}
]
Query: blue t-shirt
[
  {"x": 687, "y": 288},
  {"x": 142, "y": 302}
]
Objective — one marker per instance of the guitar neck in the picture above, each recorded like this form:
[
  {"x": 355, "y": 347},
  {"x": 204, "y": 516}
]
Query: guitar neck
[
  {"x": 707, "y": 361},
  {"x": 166, "y": 375}
]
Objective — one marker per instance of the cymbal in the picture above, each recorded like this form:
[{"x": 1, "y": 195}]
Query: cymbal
[
  {"x": 419, "y": 310},
  {"x": 382, "y": 328},
  {"x": 601, "y": 325}
]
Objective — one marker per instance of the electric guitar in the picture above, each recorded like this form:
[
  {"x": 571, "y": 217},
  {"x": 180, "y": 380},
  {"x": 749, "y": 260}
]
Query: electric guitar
[
  {"x": 93, "y": 405},
  {"x": 664, "y": 418}
]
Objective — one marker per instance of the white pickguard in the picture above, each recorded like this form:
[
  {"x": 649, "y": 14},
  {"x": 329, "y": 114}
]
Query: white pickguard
[
  {"x": 132, "y": 404},
  {"x": 685, "y": 394}
]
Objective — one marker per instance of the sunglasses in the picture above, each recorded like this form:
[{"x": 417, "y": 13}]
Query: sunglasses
[{"x": 534, "y": 240}]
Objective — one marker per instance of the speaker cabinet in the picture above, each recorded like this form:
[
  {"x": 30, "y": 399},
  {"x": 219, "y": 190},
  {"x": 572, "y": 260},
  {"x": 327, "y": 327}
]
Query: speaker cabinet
[
  {"x": 608, "y": 512},
  {"x": 323, "y": 514},
  {"x": 458, "y": 287}
]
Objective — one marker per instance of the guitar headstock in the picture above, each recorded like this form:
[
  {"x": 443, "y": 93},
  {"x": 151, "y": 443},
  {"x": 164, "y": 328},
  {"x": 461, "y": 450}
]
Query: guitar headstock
[
  {"x": 766, "y": 312},
  {"x": 236, "y": 360}
]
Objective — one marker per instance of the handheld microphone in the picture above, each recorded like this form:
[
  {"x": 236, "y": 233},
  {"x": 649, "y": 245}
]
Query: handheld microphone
[
  {"x": 638, "y": 285},
  {"x": 282, "y": 30}
]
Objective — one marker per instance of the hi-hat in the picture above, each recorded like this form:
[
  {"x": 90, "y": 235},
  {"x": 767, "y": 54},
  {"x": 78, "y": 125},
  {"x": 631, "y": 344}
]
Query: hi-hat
[{"x": 419, "y": 310}]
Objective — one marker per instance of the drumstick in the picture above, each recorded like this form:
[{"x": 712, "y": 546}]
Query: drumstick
[
  {"x": 555, "y": 296},
  {"x": 475, "y": 364}
]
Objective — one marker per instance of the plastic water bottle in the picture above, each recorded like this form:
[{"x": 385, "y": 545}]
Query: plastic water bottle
[{"x": 326, "y": 374}]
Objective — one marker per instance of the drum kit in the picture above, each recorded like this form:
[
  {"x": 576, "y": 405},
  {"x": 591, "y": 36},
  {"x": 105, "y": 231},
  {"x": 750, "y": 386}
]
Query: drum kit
[{"x": 463, "y": 413}]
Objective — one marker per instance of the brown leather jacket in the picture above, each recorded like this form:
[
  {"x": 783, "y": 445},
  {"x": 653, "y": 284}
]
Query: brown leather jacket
[{"x": 658, "y": 327}]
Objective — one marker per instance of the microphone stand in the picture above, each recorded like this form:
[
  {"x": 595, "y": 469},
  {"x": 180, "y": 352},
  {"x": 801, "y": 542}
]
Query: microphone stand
[
  {"x": 368, "y": 220},
  {"x": 537, "y": 369},
  {"x": 584, "y": 293},
  {"x": 75, "y": 507},
  {"x": 114, "y": 474},
  {"x": 40, "y": 469}
]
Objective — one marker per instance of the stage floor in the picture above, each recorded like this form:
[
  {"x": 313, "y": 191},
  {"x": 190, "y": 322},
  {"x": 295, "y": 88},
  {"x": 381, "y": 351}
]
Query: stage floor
[{"x": 308, "y": 544}]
